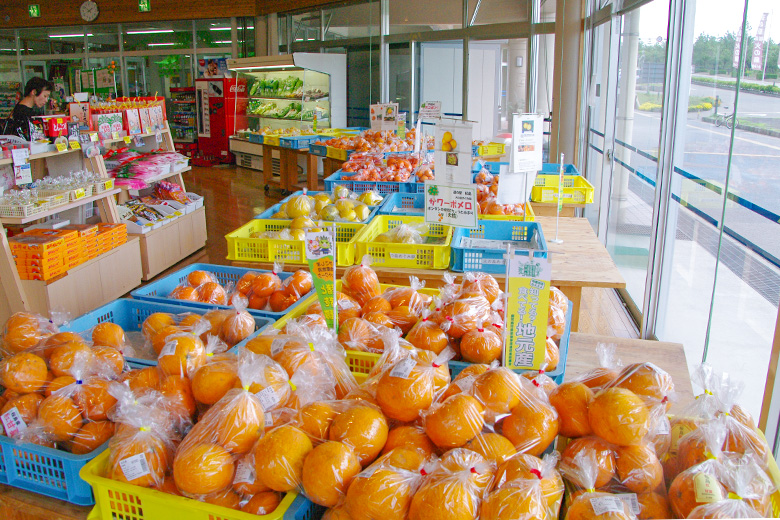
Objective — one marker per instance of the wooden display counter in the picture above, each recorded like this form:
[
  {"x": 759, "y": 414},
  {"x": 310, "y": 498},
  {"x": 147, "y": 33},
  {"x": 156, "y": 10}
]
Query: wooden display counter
[
  {"x": 167, "y": 245},
  {"x": 16, "y": 504},
  {"x": 549, "y": 209}
]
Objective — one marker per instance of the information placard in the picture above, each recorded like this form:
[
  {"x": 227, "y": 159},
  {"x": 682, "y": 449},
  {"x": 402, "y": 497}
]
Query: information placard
[
  {"x": 527, "y": 306},
  {"x": 452, "y": 151},
  {"x": 527, "y": 134},
  {"x": 384, "y": 116},
  {"x": 321, "y": 255},
  {"x": 451, "y": 204},
  {"x": 430, "y": 111}
]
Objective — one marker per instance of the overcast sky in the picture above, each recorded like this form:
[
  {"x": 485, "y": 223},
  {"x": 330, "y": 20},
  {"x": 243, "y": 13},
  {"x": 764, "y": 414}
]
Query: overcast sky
[{"x": 714, "y": 17}]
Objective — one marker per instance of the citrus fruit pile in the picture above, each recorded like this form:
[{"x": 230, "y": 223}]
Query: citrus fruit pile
[
  {"x": 386, "y": 141},
  {"x": 341, "y": 206},
  {"x": 56, "y": 383},
  {"x": 263, "y": 290},
  {"x": 487, "y": 197},
  {"x": 374, "y": 167}
]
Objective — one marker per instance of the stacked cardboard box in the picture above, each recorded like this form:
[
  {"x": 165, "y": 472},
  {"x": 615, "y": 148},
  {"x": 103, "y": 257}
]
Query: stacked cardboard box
[
  {"x": 117, "y": 233},
  {"x": 38, "y": 257},
  {"x": 87, "y": 240}
]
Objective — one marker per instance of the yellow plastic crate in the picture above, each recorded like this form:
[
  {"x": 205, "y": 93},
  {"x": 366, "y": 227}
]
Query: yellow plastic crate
[
  {"x": 114, "y": 499},
  {"x": 491, "y": 149},
  {"x": 420, "y": 256},
  {"x": 271, "y": 140},
  {"x": 243, "y": 248},
  {"x": 576, "y": 189},
  {"x": 338, "y": 153},
  {"x": 530, "y": 216}
]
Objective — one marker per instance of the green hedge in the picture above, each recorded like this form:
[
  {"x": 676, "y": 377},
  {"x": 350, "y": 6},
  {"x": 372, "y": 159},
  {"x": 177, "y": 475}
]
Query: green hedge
[{"x": 746, "y": 86}]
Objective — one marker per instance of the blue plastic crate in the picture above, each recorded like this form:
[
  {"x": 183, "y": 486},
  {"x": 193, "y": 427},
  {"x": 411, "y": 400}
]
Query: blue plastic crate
[
  {"x": 46, "y": 471},
  {"x": 553, "y": 168},
  {"x": 409, "y": 204},
  {"x": 556, "y": 375},
  {"x": 298, "y": 142},
  {"x": 159, "y": 290},
  {"x": 267, "y": 214},
  {"x": 255, "y": 138},
  {"x": 492, "y": 260},
  {"x": 381, "y": 187},
  {"x": 130, "y": 315},
  {"x": 318, "y": 149}
]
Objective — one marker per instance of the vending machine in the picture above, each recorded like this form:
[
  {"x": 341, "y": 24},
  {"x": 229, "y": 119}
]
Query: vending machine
[{"x": 221, "y": 108}]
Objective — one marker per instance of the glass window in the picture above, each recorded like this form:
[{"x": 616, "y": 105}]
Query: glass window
[
  {"x": 103, "y": 38},
  {"x": 497, "y": 11},
  {"x": 362, "y": 83},
  {"x": 110, "y": 62},
  {"x": 157, "y": 36},
  {"x": 408, "y": 16},
  {"x": 246, "y": 37},
  {"x": 307, "y": 27},
  {"x": 352, "y": 21},
  {"x": 637, "y": 137},
  {"x": 487, "y": 88},
  {"x": 213, "y": 33},
  {"x": 58, "y": 40},
  {"x": 400, "y": 87},
  {"x": 441, "y": 75}
]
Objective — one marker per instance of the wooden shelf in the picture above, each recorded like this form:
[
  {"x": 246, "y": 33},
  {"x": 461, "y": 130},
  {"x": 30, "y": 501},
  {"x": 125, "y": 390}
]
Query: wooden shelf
[
  {"x": 44, "y": 155},
  {"x": 3, "y": 162},
  {"x": 59, "y": 209},
  {"x": 122, "y": 139},
  {"x": 161, "y": 177}
]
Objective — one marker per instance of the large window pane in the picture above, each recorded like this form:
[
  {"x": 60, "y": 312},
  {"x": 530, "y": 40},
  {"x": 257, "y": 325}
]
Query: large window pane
[
  {"x": 103, "y": 38},
  {"x": 637, "y": 136},
  {"x": 484, "y": 12},
  {"x": 351, "y": 21},
  {"x": 158, "y": 36},
  {"x": 58, "y": 40},
  {"x": 362, "y": 83},
  {"x": 400, "y": 87},
  {"x": 213, "y": 33},
  {"x": 441, "y": 75},
  {"x": 409, "y": 16}
]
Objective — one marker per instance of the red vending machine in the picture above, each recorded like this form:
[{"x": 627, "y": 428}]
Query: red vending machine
[{"x": 221, "y": 106}]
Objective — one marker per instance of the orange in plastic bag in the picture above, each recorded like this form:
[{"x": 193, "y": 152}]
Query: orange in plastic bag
[
  {"x": 493, "y": 446},
  {"x": 584, "y": 470},
  {"x": 363, "y": 428},
  {"x": 454, "y": 422},
  {"x": 619, "y": 416},
  {"x": 279, "y": 457},
  {"x": 361, "y": 282},
  {"x": 600, "y": 458},
  {"x": 327, "y": 472},
  {"x": 572, "y": 400}
]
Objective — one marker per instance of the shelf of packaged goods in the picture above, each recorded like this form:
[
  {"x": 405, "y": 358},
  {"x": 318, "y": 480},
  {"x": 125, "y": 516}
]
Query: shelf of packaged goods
[
  {"x": 58, "y": 209},
  {"x": 183, "y": 102},
  {"x": 122, "y": 139},
  {"x": 182, "y": 126},
  {"x": 300, "y": 98},
  {"x": 258, "y": 116},
  {"x": 184, "y": 141},
  {"x": 160, "y": 177}
]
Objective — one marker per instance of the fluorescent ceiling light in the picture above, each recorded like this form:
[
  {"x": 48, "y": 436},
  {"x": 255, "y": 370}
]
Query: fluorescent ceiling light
[
  {"x": 160, "y": 44},
  {"x": 226, "y": 28},
  {"x": 69, "y": 35},
  {"x": 151, "y": 31},
  {"x": 8, "y": 50},
  {"x": 223, "y": 42}
]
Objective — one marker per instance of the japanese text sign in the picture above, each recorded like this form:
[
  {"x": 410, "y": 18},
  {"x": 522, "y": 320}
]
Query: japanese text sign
[
  {"x": 451, "y": 204},
  {"x": 383, "y": 117},
  {"x": 321, "y": 254},
  {"x": 430, "y": 110},
  {"x": 527, "y": 133},
  {"x": 528, "y": 301}
]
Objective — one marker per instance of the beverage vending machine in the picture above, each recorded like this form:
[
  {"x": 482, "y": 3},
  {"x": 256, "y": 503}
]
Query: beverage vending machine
[{"x": 221, "y": 108}]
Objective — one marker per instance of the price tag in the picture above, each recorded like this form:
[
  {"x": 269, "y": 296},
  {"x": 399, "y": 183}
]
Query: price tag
[
  {"x": 608, "y": 504},
  {"x": 451, "y": 204},
  {"x": 707, "y": 489},
  {"x": 245, "y": 474},
  {"x": 168, "y": 350},
  {"x": 465, "y": 383},
  {"x": 277, "y": 346},
  {"x": 158, "y": 137},
  {"x": 80, "y": 193},
  {"x": 403, "y": 368},
  {"x": 267, "y": 397},
  {"x": 114, "y": 135},
  {"x": 13, "y": 422},
  {"x": 75, "y": 145},
  {"x": 127, "y": 139},
  {"x": 148, "y": 130},
  {"x": 134, "y": 467},
  {"x": 109, "y": 184},
  {"x": 631, "y": 501},
  {"x": 93, "y": 136},
  {"x": 61, "y": 147},
  {"x": 138, "y": 140}
]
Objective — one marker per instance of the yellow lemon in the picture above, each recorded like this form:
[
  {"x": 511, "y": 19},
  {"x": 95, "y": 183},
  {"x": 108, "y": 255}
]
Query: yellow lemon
[
  {"x": 301, "y": 223},
  {"x": 447, "y": 137}
]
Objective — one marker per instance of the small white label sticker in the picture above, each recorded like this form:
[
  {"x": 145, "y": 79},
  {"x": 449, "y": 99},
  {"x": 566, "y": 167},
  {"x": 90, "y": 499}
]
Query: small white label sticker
[
  {"x": 13, "y": 422},
  {"x": 134, "y": 467},
  {"x": 492, "y": 261},
  {"x": 277, "y": 346},
  {"x": 603, "y": 505},
  {"x": 631, "y": 501},
  {"x": 267, "y": 397},
  {"x": 402, "y": 256},
  {"x": 269, "y": 420},
  {"x": 245, "y": 474},
  {"x": 664, "y": 428},
  {"x": 465, "y": 383},
  {"x": 168, "y": 350},
  {"x": 403, "y": 368}
]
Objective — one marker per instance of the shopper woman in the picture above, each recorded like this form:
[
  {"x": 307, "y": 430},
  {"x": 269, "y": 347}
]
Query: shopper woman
[{"x": 36, "y": 95}]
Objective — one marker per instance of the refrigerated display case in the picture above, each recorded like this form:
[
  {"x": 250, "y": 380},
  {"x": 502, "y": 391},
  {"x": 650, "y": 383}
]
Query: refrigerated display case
[
  {"x": 221, "y": 108},
  {"x": 295, "y": 93}
]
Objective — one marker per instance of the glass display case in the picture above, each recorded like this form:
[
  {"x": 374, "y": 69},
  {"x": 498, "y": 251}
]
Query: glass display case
[{"x": 301, "y": 91}]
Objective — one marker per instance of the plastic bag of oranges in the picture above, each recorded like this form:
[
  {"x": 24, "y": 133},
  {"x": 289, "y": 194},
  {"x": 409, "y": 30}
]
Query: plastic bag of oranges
[
  {"x": 455, "y": 489},
  {"x": 217, "y": 376},
  {"x": 385, "y": 489},
  {"x": 527, "y": 467},
  {"x": 608, "y": 369},
  {"x": 183, "y": 352},
  {"x": 476, "y": 283},
  {"x": 23, "y": 331},
  {"x": 558, "y": 299},
  {"x": 455, "y": 421},
  {"x": 142, "y": 449},
  {"x": 409, "y": 297},
  {"x": 238, "y": 323},
  {"x": 741, "y": 437},
  {"x": 648, "y": 381},
  {"x": 205, "y": 460},
  {"x": 464, "y": 314},
  {"x": 411, "y": 382},
  {"x": 588, "y": 503},
  {"x": 540, "y": 379},
  {"x": 361, "y": 282},
  {"x": 427, "y": 335},
  {"x": 361, "y": 335}
]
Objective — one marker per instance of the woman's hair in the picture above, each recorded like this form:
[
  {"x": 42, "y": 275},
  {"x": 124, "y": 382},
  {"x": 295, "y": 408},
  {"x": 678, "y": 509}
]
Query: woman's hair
[{"x": 38, "y": 85}]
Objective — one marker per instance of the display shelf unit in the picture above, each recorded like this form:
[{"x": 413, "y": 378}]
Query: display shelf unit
[
  {"x": 86, "y": 286},
  {"x": 9, "y": 96},
  {"x": 183, "y": 114},
  {"x": 172, "y": 242}
]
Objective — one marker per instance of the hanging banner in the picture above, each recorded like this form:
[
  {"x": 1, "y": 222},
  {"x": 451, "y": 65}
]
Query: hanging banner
[
  {"x": 527, "y": 135},
  {"x": 757, "y": 62},
  {"x": 737, "y": 48},
  {"x": 321, "y": 254},
  {"x": 528, "y": 301},
  {"x": 451, "y": 204},
  {"x": 384, "y": 117},
  {"x": 452, "y": 151}
]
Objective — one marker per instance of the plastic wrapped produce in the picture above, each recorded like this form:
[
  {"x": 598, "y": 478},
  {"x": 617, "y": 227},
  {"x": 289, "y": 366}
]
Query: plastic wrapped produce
[
  {"x": 23, "y": 331},
  {"x": 523, "y": 467},
  {"x": 601, "y": 462},
  {"x": 749, "y": 489},
  {"x": 454, "y": 422},
  {"x": 619, "y": 416},
  {"x": 409, "y": 437},
  {"x": 638, "y": 468},
  {"x": 455, "y": 489},
  {"x": 584, "y": 470},
  {"x": 183, "y": 352},
  {"x": 541, "y": 380},
  {"x": 238, "y": 325},
  {"x": 516, "y": 500},
  {"x": 212, "y": 380},
  {"x": 481, "y": 346},
  {"x": 493, "y": 446},
  {"x": 362, "y": 428},
  {"x": 361, "y": 335},
  {"x": 327, "y": 472},
  {"x": 608, "y": 369},
  {"x": 361, "y": 282},
  {"x": 279, "y": 457},
  {"x": 648, "y": 381},
  {"x": 427, "y": 335},
  {"x": 464, "y": 314}
]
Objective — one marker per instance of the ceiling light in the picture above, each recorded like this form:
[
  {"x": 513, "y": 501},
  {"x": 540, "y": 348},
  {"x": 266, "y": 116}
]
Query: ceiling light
[
  {"x": 159, "y": 44},
  {"x": 69, "y": 35},
  {"x": 151, "y": 31},
  {"x": 223, "y": 42}
]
